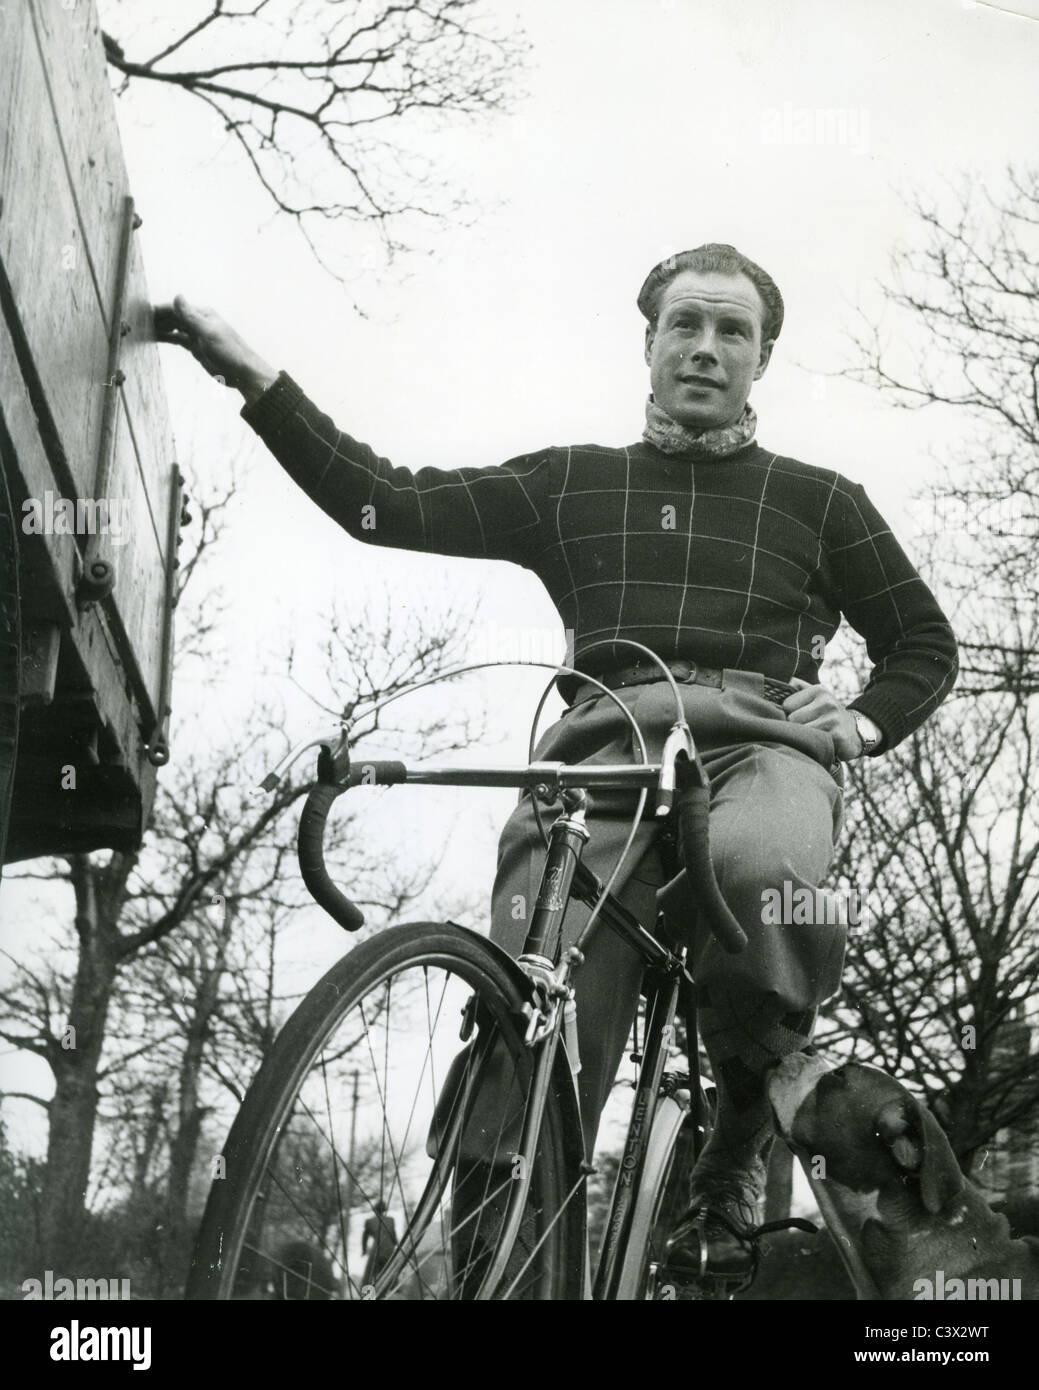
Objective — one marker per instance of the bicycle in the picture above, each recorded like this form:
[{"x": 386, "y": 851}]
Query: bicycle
[{"x": 483, "y": 1156}]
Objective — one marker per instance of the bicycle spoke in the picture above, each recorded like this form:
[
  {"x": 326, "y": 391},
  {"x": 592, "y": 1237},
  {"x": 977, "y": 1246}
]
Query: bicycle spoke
[
  {"x": 335, "y": 1168},
  {"x": 547, "y": 1232},
  {"x": 382, "y": 1098},
  {"x": 405, "y": 1114},
  {"x": 428, "y": 1058}
]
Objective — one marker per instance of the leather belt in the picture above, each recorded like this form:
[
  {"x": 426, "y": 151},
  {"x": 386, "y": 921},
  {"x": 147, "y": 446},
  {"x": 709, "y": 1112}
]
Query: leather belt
[{"x": 684, "y": 672}]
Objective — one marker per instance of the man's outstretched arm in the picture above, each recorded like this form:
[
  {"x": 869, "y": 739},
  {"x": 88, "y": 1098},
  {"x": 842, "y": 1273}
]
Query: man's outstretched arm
[{"x": 492, "y": 513}]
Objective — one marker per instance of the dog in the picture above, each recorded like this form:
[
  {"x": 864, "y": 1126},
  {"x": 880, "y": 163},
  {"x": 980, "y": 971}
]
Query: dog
[{"x": 907, "y": 1222}]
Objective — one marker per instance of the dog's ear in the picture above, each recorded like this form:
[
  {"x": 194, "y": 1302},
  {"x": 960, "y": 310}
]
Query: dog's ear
[
  {"x": 941, "y": 1178},
  {"x": 918, "y": 1145}
]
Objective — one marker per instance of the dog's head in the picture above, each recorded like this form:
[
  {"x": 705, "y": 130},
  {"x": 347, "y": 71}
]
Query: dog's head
[
  {"x": 858, "y": 1129},
  {"x": 887, "y": 1180}
]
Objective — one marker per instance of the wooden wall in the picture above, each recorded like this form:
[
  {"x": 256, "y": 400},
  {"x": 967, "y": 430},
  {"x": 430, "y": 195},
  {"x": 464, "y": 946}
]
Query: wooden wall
[{"x": 63, "y": 193}]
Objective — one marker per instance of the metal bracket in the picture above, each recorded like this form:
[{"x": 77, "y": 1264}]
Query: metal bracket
[
  {"x": 98, "y": 577},
  {"x": 158, "y": 743},
  {"x": 547, "y": 788}
]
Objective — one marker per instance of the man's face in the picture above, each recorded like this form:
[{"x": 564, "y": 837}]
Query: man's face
[{"x": 706, "y": 350}]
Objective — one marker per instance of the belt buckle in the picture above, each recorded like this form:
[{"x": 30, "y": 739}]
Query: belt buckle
[{"x": 690, "y": 679}]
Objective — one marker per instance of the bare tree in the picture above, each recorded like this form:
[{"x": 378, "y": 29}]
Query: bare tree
[
  {"x": 941, "y": 849},
  {"x": 943, "y": 828},
  {"x": 213, "y": 857},
  {"x": 63, "y": 1017},
  {"x": 963, "y": 301},
  {"x": 329, "y": 104}
]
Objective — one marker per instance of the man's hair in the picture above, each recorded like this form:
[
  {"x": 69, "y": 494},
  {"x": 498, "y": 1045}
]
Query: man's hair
[{"x": 718, "y": 259}]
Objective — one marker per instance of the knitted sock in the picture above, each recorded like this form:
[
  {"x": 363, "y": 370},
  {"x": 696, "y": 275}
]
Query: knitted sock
[{"x": 742, "y": 1047}]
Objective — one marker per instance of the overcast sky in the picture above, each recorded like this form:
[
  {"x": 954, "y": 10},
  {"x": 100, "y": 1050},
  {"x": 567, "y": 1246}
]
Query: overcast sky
[
  {"x": 794, "y": 130},
  {"x": 791, "y": 128},
  {"x": 641, "y": 127}
]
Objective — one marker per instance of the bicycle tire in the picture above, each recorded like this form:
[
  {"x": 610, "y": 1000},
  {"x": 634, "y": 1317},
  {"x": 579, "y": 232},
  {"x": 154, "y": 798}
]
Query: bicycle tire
[
  {"x": 248, "y": 1215},
  {"x": 10, "y": 656}
]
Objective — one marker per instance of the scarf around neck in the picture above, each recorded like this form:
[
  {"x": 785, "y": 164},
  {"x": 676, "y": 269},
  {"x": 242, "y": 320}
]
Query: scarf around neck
[{"x": 670, "y": 437}]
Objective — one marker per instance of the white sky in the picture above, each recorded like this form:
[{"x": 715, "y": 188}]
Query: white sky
[
  {"x": 641, "y": 128},
  {"x": 642, "y": 131}
]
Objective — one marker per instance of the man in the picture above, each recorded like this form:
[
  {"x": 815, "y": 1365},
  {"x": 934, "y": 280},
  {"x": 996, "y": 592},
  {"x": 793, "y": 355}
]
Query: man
[
  {"x": 735, "y": 566},
  {"x": 378, "y": 1241}
]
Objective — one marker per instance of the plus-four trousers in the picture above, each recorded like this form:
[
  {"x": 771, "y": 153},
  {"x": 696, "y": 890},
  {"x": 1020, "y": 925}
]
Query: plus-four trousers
[{"x": 776, "y": 810}]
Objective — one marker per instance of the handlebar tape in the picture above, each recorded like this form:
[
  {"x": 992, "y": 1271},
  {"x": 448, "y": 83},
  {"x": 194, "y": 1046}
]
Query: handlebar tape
[
  {"x": 311, "y": 851},
  {"x": 336, "y": 775},
  {"x": 694, "y": 806}
]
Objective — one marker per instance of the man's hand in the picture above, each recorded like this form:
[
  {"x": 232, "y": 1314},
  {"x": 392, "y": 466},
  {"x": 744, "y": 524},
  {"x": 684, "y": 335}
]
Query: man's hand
[
  {"x": 215, "y": 345},
  {"x": 815, "y": 705}
]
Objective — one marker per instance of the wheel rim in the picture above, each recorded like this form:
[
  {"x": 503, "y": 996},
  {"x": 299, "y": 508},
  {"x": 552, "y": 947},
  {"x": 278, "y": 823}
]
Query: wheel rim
[{"x": 414, "y": 1099}]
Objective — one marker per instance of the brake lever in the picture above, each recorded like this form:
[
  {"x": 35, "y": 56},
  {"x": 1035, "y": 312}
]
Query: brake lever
[
  {"x": 330, "y": 740},
  {"x": 679, "y": 743}
]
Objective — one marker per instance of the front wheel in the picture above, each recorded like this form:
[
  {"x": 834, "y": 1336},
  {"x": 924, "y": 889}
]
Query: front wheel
[
  {"x": 376, "y": 1149},
  {"x": 10, "y": 655}
]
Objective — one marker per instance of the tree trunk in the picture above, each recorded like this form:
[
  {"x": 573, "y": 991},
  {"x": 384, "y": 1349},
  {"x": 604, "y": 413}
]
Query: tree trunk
[
  {"x": 190, "y": 1114},
  {"x": 74, "y": 1059},
  {"x": 182, "y": 1153},
  {"x": 149, "y": 1144}
]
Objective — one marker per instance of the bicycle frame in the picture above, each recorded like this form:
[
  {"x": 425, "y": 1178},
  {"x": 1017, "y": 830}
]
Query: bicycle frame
[{"x": 563, "y": 877}]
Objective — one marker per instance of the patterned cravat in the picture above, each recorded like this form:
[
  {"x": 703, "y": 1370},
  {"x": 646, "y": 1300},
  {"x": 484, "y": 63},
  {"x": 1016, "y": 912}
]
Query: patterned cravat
[{"x": 670, "y": 437}]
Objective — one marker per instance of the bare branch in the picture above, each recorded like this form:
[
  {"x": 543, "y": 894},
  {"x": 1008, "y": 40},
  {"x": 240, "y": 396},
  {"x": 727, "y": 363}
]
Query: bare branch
[{"x": 299, "y": 90}]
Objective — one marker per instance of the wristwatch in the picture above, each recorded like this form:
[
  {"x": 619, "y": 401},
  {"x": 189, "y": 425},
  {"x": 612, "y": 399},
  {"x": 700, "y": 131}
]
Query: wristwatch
[{"x": 868, "y": 732}]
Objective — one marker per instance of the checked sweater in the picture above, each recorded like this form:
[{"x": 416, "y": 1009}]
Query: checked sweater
[{"x": 747, "y": 561}]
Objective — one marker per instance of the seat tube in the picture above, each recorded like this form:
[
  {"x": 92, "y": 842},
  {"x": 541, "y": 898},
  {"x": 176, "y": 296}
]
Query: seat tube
[
  {"x": 661, "y": 1006},
  {"x": 567, "y": 840}
]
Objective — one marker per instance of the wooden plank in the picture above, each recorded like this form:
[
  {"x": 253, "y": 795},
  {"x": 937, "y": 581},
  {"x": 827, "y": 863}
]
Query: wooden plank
[
  {"x": 102, "y": 813},
  {"x": 50, "y": 566},
  {"x": 144, "y": 395},
  {"x": 63, "y": 188},
  {"x": 50, "y": 561},
  {"x": 77, "y": 144},
  {"x": 43, "y": 257},
  {"x": 139, "y": 566},
  {"x": 48, "y": 593},
  {"x": 72, "y": 55},
  {"x": 118, "y": 712}
]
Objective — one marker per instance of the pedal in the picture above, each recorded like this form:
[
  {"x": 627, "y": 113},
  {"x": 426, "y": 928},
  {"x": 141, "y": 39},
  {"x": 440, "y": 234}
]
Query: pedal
[
  {"x": 692, "y": 1279},
  {"x": 695, "y": 1281}
]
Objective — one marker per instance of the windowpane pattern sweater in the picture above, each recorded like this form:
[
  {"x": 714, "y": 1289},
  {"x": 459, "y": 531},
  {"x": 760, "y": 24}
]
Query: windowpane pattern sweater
[{"x": 746, "y": 561}]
